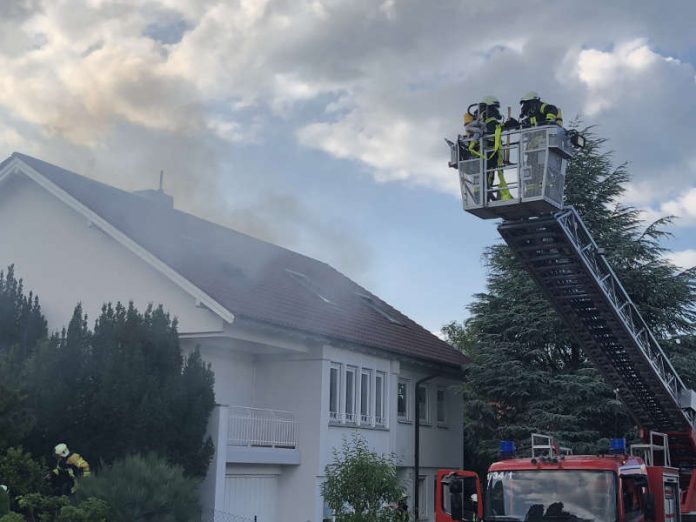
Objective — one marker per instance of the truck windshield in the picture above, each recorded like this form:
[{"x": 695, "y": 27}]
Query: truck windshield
[{"x": 551, "y": 495}]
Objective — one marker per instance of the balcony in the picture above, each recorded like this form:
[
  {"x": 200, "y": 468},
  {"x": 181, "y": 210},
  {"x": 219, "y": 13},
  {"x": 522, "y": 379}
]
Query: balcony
[{"x": 261, "y": 436}]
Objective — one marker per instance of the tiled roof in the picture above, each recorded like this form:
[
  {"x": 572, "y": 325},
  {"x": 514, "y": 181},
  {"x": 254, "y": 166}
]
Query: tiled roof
[{"x": 254, "y": 279}]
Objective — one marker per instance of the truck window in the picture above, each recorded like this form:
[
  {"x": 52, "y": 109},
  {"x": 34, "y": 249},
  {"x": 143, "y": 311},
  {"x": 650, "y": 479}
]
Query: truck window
[{"x": 633, "y": 497}]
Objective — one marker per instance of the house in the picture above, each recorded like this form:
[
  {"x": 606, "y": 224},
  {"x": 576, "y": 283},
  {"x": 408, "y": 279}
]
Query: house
[{"x": 302, "y": 355}]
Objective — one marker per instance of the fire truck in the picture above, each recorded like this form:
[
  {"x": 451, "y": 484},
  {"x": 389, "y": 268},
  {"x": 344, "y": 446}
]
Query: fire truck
[{"x": 519, "y": 176}]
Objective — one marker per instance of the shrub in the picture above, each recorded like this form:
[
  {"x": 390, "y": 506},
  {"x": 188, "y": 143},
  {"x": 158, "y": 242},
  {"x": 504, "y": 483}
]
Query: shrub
[
  {"x": 361, "y": 486},
  {"x": 91, "y": 510},
  {"x": 12, "y": 517},
  {"x": 41, "y": 508},
  {"x": 21, "y": 473},
  {"x": 141, "y": 488}
]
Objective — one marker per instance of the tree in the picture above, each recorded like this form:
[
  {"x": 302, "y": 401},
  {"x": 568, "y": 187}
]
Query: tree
[
  {"x": 360, "y": 484},
  {"x": 22, "y": 328},
  {"x": 123, "y": 388},
  {"x": 528, "y": 372},
  {"x": 22, "y": 324}
]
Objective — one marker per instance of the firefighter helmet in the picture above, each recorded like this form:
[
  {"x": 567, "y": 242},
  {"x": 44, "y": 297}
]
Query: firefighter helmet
[
  {"x": 531, "y": 95},
  {"x": 61, "y": 450},
  {"x": 491, "y": 101}
]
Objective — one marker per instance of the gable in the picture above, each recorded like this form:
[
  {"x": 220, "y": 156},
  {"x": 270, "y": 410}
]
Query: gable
[{"x": 66, "y": 259}]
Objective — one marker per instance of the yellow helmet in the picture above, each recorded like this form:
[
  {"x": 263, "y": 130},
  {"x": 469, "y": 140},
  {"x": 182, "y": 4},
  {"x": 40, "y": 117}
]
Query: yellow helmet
[
  {"x": 531, "y": 95},
  {"x": 61, "y": 450}
]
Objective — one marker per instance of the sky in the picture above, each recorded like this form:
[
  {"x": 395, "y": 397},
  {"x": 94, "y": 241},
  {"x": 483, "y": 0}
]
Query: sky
[{"x": 319, "y": 124}]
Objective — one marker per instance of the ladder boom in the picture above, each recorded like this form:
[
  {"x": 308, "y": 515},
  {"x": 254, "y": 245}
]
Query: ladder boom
[{"x": 561, "y": 255}]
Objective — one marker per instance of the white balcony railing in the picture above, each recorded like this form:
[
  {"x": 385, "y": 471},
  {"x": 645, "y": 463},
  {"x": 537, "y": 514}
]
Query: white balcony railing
[
  {"x": 336, "y": 418},
  {"x": 261, "y": 427}
]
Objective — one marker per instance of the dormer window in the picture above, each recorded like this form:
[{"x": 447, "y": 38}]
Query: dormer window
[{"x": 310, "y": 285}]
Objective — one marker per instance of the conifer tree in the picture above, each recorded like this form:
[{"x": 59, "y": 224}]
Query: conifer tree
[
  {"x": 22, "y": 328},
  {"x": 528, "y": 373},
  {"x": 121, "y": 389}
]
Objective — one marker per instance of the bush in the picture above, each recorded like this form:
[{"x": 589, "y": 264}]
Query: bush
[
  {"x": 361, "y": 486},
  {"x": 21, "y": 473},
  {"x": 41, "y": 508},
  {"x": 38, "y": 507},
  {"x": 91, "y": 510},
  {"x": 144, "y": 488},
  {"x": 12, "y": 517}
]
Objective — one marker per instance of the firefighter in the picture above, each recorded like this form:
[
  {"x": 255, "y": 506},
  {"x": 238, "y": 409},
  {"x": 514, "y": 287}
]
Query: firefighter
[
  {"x": 489, "y": 121},
  {"x": 535, "y": 112},
  {"x": 70, "y": 467},
  {"x": 4, "y": 500}
]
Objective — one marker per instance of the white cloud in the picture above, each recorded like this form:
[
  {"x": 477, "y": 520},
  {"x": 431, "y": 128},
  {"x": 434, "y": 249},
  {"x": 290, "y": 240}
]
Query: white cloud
[
  {"x": 683, "y": 259},
  {"x": 378, "y": 84},
  {"x": 682, "y": 207}
]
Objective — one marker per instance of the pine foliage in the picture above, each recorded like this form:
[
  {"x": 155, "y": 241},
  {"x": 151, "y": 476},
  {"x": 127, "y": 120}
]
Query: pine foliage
[
  {"x": 528, "y": 373},
  {"x": 122, "y": 388},
  {"x": 22, "y": 328}
]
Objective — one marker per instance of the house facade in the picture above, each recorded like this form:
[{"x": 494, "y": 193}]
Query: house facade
[{"x": 303, "y": 357}]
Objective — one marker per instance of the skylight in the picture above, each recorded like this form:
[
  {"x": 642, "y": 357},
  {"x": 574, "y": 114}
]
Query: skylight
[
  {"x": 369, "y": 301},
  {"x": 308, "y": 284}
]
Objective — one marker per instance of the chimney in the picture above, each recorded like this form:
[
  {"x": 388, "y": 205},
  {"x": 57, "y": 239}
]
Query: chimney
[{"x": 158, "y": 197}]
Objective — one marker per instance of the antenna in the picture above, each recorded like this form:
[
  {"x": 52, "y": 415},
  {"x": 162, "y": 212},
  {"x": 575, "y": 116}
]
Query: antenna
[{"x": 161, "y": 180}]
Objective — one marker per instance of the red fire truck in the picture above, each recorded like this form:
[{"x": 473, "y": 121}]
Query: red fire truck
[{"x": 522, "y": 181}]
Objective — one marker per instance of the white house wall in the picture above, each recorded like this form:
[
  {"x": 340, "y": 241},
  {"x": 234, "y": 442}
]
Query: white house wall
[
  {"x": 294, "y": 383},
  {"x": 235, "y": 372},
  {"x": 65, "y": 260}
]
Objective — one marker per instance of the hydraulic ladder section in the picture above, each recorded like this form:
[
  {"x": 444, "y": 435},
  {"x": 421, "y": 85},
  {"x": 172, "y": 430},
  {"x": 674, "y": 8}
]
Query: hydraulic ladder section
[{"x": 561, "y": 255}]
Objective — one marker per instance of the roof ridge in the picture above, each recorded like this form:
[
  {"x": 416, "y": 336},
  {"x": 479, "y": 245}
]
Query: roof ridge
[{"x": 178, "y": 212}]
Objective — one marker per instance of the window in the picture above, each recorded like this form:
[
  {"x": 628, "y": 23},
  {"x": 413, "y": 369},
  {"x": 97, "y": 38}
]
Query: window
[
  {"x": 423, "y": 413},
  {"x": 402, "y": 399},
  {"x": 633, "y": 493},
  {"x": 379, "y": 399},
  {"x": 334, "y": 390},
  {"x": 441, "y": 406},
  {"x": 310, "y": 285},
  {"x": 365, "y": 400},
  {"x": 370, "y": 302},
  {"x": 357, "y": 396},
  {"x": 350, "y": 395}
]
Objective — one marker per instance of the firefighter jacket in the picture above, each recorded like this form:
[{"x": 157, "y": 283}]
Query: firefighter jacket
[{"x": 536, "y": 113}]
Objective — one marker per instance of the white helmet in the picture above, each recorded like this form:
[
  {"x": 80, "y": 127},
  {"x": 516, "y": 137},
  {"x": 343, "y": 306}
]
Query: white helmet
[
  {"x": 61, "y": 450},
  {"x": 531, "y": 95},
  {"x": 490, "y": 100}
]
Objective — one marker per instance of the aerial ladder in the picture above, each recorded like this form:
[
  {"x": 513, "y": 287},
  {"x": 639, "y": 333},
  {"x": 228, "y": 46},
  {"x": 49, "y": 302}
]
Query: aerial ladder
[{"x": 556, "y": 248}]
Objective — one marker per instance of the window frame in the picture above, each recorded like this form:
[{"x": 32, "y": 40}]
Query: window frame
[
  {"x": 380, "y": 416},
  {"x": 335, "y": 416},
  {"x": 352, "y": 417},
  {"x": 441, "y": 403},
  {"x": 366, "y": 415},
  {"x": 406, "y": 417},
  {"x": 425, "y": 413}
]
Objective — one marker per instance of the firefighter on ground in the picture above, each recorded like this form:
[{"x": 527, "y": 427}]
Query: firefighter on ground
[
  {"x": 4, "y": 500},
  {"x": 488, "y": 121},
  {"x": 70, "y": 467},
  {"x": 535, "y": 112}
]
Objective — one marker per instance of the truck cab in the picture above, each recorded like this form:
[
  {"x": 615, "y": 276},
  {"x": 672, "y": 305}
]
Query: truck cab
[{"x": 562, "y": 488}]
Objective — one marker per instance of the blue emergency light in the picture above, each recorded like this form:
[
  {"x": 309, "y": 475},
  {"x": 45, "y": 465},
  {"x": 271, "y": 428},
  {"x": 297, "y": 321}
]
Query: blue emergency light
[
  {"x": 617, "y": 446},
  {"x": 507, "y": 449}
]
